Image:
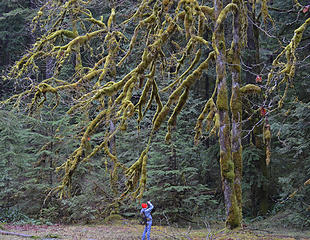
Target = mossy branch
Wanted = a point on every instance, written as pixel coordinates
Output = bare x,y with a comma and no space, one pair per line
250,89
194,62
208,12
208,111
220,20
187,83
287,70
265,12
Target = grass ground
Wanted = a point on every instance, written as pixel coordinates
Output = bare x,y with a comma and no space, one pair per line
126,230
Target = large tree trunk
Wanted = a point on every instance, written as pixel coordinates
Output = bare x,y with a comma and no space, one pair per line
236,108
226,162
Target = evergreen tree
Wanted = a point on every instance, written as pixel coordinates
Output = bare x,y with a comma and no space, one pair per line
23,182
15,35
291,128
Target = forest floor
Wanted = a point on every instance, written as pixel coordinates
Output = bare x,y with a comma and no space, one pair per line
127,230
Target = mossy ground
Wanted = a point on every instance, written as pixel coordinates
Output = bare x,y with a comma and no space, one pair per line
132,230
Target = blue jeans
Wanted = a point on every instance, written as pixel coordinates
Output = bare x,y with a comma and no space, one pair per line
147,230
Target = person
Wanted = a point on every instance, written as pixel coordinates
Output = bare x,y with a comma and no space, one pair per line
146,210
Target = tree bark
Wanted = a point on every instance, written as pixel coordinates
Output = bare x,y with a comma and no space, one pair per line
236,108
226,161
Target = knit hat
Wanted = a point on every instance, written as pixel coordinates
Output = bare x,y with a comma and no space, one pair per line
144,205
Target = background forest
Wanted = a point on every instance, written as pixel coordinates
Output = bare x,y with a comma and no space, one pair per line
183,179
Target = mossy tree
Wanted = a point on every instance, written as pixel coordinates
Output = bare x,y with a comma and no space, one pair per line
99,82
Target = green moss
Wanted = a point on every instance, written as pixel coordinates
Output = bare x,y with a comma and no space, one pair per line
161,117
111,18
208,11
265,13
267,133
221,101
198,128
230,176
250,88
237,158
267,140
287,69
236,105
178,108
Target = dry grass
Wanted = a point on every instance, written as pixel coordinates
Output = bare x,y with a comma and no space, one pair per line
126,230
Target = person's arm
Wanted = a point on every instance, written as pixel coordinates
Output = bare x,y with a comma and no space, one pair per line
150,206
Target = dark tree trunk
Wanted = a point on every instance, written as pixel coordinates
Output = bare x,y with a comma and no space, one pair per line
260,199
252,59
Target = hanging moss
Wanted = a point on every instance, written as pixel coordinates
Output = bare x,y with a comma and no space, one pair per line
136,174
286,70
175,95
111,18
143,177
265,13
216,126
208,11
209,106
267,140
143,98
177,110
210,119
